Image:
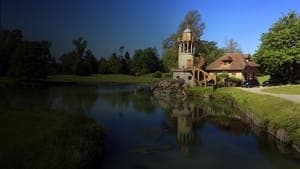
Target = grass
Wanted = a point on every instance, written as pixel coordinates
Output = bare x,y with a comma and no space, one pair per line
110,78
48,139
289,89
199,91
272,111
95,79
263,78
6,80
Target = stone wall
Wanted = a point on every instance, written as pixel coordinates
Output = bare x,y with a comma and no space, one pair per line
169,88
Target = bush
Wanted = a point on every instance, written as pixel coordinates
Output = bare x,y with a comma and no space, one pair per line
233,82
83,69
222,76
168,75
157,74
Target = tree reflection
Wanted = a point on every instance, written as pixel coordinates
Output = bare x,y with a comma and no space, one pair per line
75,99
191,114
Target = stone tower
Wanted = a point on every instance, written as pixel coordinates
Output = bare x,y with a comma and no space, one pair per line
187,47
189,63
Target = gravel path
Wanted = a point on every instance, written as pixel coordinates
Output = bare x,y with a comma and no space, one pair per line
294,98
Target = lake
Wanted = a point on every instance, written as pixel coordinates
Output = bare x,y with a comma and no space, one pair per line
143,132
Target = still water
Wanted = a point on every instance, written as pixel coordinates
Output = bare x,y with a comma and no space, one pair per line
143,132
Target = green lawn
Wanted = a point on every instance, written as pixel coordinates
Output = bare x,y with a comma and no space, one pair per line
271,111
96,79
289,89
110,78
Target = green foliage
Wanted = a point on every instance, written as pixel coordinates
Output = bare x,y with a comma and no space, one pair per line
194,22
157,74
91,60
279,52
116,66
233,81
10,40
209,50
145,61
80,47
83,69
80,61
222,76
69,62
170,58
263,78
31,60
103,66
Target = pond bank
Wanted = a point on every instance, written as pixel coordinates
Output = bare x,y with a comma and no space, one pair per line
44,139
278,117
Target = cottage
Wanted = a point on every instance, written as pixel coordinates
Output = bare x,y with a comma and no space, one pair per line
236,65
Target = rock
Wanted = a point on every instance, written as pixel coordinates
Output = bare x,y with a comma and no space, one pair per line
283,136
166,88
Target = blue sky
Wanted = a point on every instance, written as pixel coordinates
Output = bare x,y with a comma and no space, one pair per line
109,24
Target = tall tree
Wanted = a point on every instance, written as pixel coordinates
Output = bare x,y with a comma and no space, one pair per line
91,60
31,60
69,62
104,66
209,50
231,46
80,61
116,66
10,40
279,52
193,21
145,61
80,46
125,63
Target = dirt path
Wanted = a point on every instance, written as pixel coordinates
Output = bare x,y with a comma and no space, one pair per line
294,98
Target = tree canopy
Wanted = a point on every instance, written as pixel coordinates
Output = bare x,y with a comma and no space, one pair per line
231,46
10,40
279,52
31,60
80,61
145,61
207,49
193,21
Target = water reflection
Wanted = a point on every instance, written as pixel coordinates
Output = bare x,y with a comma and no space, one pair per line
143,131
75,99
191,115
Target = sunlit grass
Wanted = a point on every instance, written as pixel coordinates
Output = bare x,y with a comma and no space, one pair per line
273,111
289,89
110,78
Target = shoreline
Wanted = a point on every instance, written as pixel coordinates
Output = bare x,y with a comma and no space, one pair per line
284,129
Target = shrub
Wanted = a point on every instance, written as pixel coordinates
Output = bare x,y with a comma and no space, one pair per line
168,75
233,82
157,74
83,69
222,76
